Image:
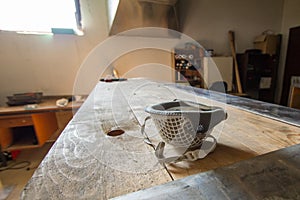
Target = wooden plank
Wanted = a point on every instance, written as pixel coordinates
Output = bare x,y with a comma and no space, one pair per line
236,68
242,136
275,175
85,162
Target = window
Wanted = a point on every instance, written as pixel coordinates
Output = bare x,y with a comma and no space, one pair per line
41,16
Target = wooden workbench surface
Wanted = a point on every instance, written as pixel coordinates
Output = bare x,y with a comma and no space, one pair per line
85,162
275,175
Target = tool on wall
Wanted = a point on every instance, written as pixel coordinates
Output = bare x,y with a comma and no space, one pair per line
236,69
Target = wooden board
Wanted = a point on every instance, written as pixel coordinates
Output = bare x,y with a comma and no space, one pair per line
85,162
271,176
242,136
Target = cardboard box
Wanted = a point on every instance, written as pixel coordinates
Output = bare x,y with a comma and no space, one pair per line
268,44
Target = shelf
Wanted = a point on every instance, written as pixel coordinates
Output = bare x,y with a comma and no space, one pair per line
23,137
258,74
188,66
21,146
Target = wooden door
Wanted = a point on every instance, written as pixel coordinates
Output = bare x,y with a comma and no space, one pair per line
292,64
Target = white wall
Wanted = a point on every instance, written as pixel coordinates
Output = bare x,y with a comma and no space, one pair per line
49,63
131,56
208,21
290,18
155,64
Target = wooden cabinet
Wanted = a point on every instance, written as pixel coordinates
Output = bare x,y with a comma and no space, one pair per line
21,128
192,67
258,74
21,131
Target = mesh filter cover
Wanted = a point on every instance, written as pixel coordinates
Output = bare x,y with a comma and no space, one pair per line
185,123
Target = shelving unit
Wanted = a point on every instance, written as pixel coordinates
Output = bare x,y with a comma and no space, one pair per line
258,75
188,66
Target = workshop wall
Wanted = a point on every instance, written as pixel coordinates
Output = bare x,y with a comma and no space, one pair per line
50,63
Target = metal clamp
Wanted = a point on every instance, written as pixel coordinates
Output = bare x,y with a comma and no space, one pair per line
206,148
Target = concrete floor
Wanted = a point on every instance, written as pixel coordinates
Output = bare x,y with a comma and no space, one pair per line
18,178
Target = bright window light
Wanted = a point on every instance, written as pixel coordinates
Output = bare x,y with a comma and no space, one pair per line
41,16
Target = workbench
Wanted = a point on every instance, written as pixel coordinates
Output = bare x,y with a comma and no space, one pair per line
22,128
86,163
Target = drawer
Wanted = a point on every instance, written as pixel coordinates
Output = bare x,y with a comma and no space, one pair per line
15,121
